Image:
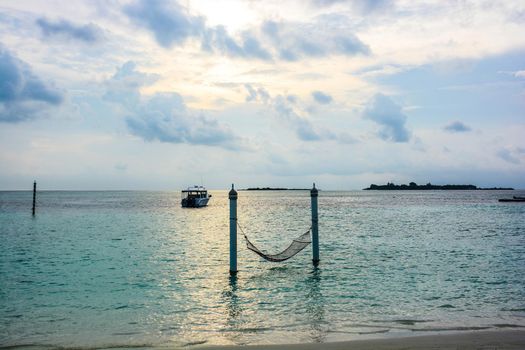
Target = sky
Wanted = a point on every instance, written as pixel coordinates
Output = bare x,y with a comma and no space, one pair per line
161,95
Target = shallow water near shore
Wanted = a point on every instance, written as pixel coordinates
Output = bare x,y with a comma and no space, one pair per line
125,269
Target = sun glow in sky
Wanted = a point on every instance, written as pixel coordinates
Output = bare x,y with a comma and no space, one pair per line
157,94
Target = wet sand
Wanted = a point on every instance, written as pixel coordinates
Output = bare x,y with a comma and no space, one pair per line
497,339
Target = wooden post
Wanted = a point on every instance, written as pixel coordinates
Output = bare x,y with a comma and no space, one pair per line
315,226
34,197
232,195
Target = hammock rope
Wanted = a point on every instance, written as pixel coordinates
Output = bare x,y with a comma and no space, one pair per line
295,247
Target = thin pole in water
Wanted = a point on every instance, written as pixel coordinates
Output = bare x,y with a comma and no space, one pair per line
232,195
315,226
34,197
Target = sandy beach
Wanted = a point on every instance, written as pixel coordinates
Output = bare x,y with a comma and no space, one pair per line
497,339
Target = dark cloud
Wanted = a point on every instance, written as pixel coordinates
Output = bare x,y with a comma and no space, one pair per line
288,55
457,126
288,111
252,93
323,3
256,94
164,117
350,45
346,138
293,41
305,131
361,5
88,33
302,126
292,99
23,95
385,112
170,23
252,48
271,29
372,5
508,156
124,86
321,97
122,167
218,39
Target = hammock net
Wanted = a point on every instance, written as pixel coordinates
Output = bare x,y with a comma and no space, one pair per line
295,247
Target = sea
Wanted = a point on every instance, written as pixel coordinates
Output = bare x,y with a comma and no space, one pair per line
128,269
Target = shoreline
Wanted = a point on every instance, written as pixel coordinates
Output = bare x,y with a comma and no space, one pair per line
485,339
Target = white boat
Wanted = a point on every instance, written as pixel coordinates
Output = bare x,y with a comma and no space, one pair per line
195,197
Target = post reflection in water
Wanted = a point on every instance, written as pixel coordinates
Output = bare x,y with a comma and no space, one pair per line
315,306
233,308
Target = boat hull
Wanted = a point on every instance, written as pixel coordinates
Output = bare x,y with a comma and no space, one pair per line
194,202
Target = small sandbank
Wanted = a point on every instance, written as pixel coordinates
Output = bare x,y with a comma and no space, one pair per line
497,339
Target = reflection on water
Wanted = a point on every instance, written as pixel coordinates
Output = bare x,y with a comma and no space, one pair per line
232,301
315,306
234,311
240,323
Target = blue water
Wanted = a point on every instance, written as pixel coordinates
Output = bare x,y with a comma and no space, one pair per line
107,269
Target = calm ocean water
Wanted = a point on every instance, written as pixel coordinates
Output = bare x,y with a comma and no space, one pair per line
119,269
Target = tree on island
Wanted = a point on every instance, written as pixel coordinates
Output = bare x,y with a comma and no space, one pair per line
429,186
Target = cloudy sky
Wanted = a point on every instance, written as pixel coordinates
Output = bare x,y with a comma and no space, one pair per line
165,94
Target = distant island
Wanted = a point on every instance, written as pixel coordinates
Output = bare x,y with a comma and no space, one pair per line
413,186
275,189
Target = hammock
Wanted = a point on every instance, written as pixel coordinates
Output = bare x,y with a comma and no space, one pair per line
295,247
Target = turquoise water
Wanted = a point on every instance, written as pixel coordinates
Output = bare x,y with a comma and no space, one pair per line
111,269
